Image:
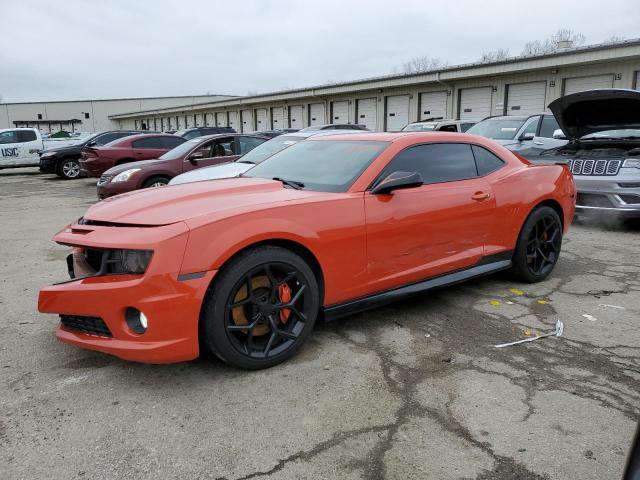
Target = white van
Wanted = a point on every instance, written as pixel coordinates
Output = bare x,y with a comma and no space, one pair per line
19,147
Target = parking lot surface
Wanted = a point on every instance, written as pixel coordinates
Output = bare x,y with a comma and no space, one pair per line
412,390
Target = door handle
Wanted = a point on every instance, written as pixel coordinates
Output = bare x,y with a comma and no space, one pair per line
480,196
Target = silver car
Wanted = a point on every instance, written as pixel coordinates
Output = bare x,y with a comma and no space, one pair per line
603,128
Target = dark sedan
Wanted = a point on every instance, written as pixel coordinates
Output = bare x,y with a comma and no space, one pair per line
192,154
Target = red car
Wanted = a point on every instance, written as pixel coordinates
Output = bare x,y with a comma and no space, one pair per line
94,161
192,154
326,227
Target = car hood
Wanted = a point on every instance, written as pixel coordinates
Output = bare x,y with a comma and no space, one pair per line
593,111
224,170
63,149
217,199
140,164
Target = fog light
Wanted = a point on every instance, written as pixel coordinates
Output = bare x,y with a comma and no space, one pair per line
136,320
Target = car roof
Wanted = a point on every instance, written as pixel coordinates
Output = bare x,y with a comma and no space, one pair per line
322,133
401,136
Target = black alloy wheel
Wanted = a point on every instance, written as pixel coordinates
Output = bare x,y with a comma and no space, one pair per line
261,309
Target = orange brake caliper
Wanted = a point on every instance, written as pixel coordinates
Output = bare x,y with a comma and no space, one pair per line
284,292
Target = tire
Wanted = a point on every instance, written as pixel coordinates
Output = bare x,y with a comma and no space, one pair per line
538,246
69,168
155,182
277,333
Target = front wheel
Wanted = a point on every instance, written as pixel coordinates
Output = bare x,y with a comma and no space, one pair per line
69,169
261,308
155,182
538,246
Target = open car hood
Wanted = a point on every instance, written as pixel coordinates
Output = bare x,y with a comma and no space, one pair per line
593,111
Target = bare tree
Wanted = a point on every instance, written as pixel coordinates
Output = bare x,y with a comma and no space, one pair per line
422,64
251,93
614,39
563,38
495,55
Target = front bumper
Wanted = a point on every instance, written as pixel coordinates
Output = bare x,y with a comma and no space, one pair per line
107,189
48,164
171,302
617,195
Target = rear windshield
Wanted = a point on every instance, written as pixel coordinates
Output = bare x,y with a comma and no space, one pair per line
498,128
324,166
268,148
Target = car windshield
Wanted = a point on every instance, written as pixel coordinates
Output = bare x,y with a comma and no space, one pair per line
180,150
497,128
325,165
266,149
613,134
419,127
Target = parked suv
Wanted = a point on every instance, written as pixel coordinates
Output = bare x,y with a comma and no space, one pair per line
439,125
96,160
189,133
190,155
528,135
65,161
603,153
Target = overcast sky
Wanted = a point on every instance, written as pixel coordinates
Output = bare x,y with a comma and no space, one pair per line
76,49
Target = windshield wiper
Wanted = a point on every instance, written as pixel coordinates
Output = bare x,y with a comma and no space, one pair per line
290,183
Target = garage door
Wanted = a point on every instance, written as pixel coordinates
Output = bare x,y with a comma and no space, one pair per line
261,119
221,119
526,98
475,103
397,112
367,113
433,105
233,120
574,85
339,112
316,114
247,121
295,116
277,118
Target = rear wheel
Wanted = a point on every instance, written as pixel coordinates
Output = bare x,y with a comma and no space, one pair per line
69,168
155,182
538,246
261,309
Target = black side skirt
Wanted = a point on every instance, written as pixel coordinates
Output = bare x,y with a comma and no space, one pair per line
486,266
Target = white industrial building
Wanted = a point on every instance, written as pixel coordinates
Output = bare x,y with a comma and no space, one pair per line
520,85
86,115
516,86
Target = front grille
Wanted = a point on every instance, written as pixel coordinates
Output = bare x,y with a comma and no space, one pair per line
104,179
579,166
593,200
89,325
630,199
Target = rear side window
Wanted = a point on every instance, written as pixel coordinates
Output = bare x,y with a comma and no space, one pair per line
27,136
440,162
486,161
8,137
549,125
248,143
108,137
171,142
150,142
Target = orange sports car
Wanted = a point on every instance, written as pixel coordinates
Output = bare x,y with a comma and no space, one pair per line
333,225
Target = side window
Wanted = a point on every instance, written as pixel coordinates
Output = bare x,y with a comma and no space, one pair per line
27,136
549,125
532,126
8,137
248,143
439,162
107,138
172,142
222,147
486,161
150,142
466,126
448,128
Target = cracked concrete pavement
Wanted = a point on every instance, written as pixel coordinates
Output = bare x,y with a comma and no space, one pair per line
412,390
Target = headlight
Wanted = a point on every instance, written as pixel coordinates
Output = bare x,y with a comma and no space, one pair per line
130,261
631,163
47,154
124,176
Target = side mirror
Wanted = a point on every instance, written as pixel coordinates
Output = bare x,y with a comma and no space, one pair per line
194,157
527,136
93,143
397,181
559,135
